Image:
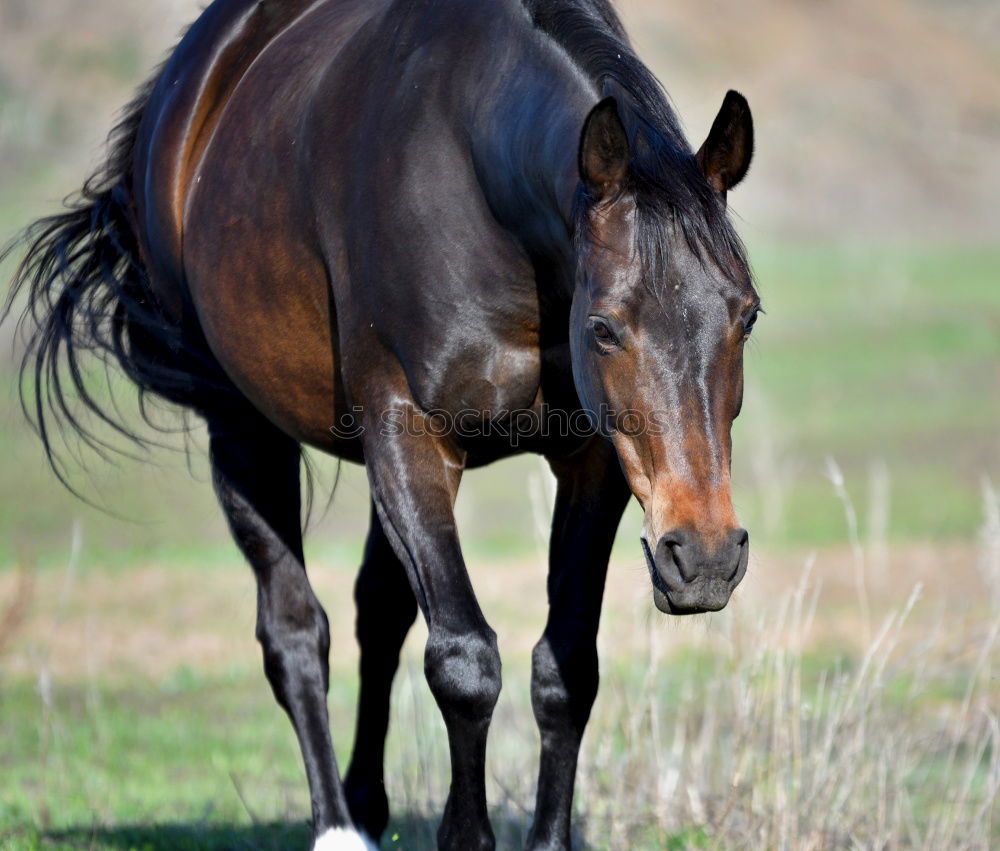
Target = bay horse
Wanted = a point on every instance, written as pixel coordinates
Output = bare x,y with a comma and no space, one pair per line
423,235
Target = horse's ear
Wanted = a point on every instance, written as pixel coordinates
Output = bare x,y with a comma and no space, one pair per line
726,154
603,158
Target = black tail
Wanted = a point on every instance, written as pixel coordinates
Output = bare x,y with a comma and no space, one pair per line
87,291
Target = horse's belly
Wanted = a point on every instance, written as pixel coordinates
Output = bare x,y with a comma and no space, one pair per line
274,338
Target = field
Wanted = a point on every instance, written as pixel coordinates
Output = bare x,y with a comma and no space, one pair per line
848,697
814,713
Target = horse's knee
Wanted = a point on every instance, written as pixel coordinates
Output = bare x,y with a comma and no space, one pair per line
463,672
564,682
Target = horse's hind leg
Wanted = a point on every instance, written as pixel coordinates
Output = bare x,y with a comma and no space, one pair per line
386,611
256,473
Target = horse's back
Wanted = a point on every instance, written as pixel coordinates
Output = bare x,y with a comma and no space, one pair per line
183,113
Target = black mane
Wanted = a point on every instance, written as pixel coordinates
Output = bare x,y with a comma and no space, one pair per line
669,188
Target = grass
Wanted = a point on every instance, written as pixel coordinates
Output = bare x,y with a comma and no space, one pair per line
838,702
760,727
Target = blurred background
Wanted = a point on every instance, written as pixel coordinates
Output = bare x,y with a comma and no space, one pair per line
848,694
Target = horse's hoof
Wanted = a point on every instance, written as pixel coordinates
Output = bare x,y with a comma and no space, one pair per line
343,839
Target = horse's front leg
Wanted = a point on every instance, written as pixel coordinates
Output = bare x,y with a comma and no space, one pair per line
591,496
414,479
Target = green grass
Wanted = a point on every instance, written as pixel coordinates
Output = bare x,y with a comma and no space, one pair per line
726,733
210,763
874,355
199,763
146,754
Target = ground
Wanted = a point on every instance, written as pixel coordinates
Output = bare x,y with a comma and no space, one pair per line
135,714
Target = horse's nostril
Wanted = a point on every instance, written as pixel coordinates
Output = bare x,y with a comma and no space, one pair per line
648,552
742,556
678,549
677,538
685,555
667,564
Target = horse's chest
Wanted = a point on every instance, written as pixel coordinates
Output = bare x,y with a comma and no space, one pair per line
479,372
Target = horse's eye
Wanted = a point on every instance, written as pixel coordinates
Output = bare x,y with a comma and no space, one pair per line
604,333
751,321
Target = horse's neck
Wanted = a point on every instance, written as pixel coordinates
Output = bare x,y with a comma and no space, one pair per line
524,144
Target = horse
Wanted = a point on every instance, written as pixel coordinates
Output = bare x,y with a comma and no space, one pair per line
422,235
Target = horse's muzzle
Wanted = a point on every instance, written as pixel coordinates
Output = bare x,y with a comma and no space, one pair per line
689,578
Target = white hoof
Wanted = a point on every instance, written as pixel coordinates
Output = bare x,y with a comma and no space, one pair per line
344,839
